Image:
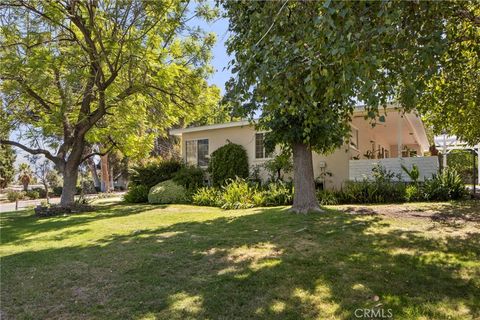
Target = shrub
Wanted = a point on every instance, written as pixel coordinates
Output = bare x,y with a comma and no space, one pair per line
372,192
167,192
13,195
57,191
413,174
32,194
207,196
237,194
327,197
279,165
414,192
41,191
447,185
228,162
190,177
136,194
278,194
154,172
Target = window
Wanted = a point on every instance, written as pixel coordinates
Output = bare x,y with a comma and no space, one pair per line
202,152
260,147
197,152
354,138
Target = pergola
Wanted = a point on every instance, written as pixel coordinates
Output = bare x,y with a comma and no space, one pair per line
446,144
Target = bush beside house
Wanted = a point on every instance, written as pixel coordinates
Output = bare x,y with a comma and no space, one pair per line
228,162
186,186
167,192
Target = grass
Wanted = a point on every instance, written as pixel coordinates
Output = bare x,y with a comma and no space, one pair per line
420,261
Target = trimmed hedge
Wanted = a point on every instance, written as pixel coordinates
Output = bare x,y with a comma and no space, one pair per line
154,172
189,177
167,192
137,194
228,162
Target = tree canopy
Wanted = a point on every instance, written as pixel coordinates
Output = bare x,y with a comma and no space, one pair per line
112,73
304,66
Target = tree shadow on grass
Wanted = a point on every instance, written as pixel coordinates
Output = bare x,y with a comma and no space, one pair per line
270,264
16,226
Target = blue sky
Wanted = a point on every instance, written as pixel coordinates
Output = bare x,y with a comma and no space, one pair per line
220,56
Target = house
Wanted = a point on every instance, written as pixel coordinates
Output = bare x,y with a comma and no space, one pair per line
397,138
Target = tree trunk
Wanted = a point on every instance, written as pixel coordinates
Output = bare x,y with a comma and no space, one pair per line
93,169
304,198
105,173
45,186
70,175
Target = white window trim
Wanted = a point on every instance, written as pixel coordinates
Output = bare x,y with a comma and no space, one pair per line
255,159
196,139
357,147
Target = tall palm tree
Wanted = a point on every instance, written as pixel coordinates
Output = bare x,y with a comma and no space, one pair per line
25,175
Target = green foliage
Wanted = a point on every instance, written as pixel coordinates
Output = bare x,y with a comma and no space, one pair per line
277,194
207,196
372,192
13,195
136,194
450,101
462,161
41,192
7,165
167,192
189,177
413,174
237,194
53,178
414,192
32,194
447,185
228,162
280,165
327,197
306,86
25,175
154,172
57,191
111,73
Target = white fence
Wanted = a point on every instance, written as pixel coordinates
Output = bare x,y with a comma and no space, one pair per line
362,169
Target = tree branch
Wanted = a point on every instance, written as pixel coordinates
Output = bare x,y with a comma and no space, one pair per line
101,154
46,153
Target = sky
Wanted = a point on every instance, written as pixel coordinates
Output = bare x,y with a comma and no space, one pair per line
220,57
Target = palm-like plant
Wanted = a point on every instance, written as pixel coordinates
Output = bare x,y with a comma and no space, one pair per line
25,175
413,174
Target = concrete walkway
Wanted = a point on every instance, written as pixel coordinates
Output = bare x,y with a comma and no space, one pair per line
27,204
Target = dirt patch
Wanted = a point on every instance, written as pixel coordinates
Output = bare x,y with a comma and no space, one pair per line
461,212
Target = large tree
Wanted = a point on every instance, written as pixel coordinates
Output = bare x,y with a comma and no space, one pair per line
304,65
451,101
112,73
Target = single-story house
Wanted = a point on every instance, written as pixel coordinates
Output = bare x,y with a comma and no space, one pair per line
397,138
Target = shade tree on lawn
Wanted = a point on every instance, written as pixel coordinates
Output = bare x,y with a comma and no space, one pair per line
304,65
112,73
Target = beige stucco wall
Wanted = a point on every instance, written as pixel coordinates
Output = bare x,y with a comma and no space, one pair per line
335,163
244,136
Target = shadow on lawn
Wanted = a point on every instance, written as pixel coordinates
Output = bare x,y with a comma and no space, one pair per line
265,265
18,225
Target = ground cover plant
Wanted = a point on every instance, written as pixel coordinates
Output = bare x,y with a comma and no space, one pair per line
186,262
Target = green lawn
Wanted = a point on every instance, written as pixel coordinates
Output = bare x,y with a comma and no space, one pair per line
185,262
